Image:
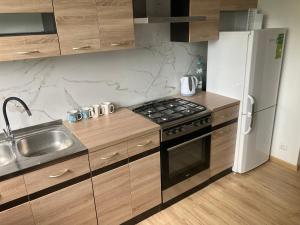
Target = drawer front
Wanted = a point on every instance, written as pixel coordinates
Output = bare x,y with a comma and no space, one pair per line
108,156
12,189
225,115
55,174
28,47
143,144
19,215
223,148
28,6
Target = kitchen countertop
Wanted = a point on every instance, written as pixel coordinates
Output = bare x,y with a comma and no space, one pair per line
102,132
111,129
213,102
124,124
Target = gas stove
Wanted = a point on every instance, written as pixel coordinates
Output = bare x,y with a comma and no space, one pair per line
176,116
185,142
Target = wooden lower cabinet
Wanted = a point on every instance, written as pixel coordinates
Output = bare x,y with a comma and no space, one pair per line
73,205
19,215
223,148
145,183
112,196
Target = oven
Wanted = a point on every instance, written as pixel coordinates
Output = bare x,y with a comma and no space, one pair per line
185,158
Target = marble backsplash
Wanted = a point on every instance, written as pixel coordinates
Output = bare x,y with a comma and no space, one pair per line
53,86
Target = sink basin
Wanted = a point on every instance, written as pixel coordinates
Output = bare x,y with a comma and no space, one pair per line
44,143
6,155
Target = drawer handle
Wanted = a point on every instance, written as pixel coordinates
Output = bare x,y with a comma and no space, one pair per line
144,145
111,156
82,48
60,174
117,44
29,52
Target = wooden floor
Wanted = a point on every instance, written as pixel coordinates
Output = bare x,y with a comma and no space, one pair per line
268,195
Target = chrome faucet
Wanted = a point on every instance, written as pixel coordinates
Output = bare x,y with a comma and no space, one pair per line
8,131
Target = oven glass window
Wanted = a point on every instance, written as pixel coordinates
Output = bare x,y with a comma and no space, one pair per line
184,158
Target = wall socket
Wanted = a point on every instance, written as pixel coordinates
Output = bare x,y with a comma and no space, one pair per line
283,148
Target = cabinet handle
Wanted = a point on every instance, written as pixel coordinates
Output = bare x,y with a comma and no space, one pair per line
117,44
29,52
82,48
60,174
144,145
111,156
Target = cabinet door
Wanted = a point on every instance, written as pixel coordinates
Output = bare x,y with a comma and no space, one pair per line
237,5
73,205
112,196
222,148
28,6
77,26
145,183
12,189
19,215
205,30
28,47
115,18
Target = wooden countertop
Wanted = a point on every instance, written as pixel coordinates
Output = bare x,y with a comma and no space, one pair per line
111,129
212,101
124,124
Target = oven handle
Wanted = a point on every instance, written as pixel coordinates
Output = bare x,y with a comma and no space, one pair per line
190,141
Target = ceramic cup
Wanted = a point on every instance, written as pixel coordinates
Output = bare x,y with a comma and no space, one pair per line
107,108
73,116
96,111
86,113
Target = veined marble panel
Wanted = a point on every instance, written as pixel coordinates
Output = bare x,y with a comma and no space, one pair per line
53,86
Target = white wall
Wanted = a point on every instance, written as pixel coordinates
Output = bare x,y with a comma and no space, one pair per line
286,13
54,85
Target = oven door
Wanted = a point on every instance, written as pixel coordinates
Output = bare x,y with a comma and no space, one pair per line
185,156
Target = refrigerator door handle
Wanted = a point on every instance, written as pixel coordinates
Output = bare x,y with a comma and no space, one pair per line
250,115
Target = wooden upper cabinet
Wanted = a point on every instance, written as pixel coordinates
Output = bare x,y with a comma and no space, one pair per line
28,47
77,26
204,30
237,5
115,19
73,205
25,6
19,215
145,183
112,196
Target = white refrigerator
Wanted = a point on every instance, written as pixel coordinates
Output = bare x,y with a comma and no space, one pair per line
247,66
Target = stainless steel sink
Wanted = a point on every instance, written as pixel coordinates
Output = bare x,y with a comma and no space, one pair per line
43,143
6,155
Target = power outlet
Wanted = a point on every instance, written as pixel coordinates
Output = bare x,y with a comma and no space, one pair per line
283,148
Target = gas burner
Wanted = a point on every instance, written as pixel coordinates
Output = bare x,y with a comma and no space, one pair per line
168,110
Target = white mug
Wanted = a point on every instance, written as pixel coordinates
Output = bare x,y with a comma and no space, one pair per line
97,111
107,108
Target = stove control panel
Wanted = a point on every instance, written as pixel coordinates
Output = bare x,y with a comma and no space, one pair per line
185,128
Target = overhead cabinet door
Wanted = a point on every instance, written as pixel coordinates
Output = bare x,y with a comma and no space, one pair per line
205,30
237,5
115,18
77,26
25,6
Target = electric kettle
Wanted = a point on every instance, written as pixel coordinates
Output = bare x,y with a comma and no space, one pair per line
188,85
